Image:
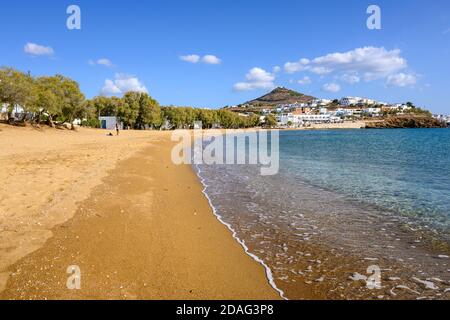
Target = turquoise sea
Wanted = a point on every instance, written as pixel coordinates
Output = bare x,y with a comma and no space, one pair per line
364,196
404,172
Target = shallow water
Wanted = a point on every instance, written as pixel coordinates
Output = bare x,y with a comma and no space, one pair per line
341,202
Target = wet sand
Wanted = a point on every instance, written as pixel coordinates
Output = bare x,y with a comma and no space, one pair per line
136,225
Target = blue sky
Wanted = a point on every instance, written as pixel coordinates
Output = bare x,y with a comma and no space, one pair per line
322,48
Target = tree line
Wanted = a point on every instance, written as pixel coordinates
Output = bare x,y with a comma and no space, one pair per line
50,98
56,100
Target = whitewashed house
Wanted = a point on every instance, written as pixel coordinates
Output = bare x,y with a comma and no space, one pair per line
314,118
372,111
320,102
109,123
286,118
365,101
300,119
17,112
348,101
323,110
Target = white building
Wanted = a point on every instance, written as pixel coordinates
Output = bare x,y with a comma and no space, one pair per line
348,101
109,123
316,118
285,118
399,106
321,102
347,112
443,118
323,110
372,111
290,106
405,107
17,110
300,119
365,101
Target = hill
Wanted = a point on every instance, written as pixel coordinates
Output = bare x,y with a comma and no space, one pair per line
278,96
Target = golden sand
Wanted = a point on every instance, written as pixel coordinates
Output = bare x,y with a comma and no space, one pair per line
137,225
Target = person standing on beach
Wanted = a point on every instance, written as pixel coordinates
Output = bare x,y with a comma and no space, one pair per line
117,129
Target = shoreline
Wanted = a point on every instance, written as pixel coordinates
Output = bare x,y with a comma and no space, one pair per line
268,271
336,274
148,229
146,232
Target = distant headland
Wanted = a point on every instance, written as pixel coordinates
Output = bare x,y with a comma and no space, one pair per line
292,109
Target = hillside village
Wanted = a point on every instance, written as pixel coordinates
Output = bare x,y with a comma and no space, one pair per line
293,109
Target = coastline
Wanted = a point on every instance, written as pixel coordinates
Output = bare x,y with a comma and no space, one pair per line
311,248
268,271
146,231
140,227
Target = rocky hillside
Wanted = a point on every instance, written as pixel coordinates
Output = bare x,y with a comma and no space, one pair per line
406,121
280,95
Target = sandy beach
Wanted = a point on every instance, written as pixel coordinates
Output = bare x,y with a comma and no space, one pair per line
136,225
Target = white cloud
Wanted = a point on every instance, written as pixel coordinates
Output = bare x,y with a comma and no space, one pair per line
292,67
103,62
369,63
401,80
276,69
304,81
257,78
331,87
110,88
38,50
321,70
121,84
211,59
195,58
350,78
192,58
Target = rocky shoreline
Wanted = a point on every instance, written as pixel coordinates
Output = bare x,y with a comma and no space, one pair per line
406,121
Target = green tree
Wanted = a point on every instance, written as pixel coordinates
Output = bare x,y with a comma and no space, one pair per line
253,121
46,101
16,89
177,116
104,106
206,117
271,121
128,111
149,112
73,100
410,105
227,119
